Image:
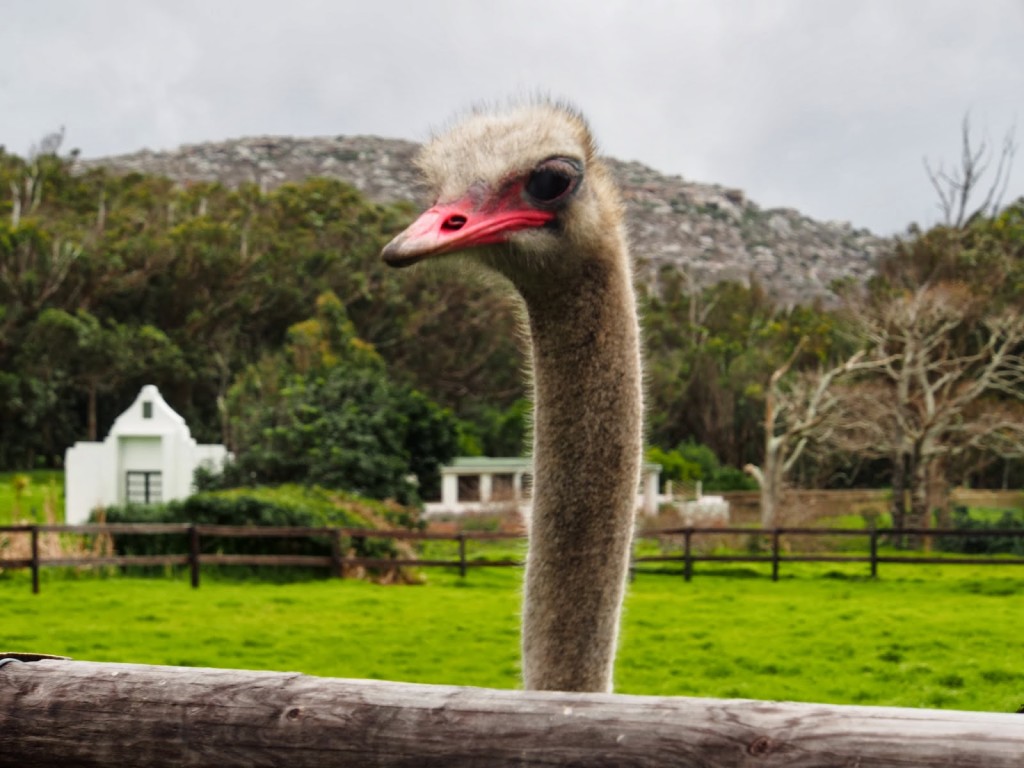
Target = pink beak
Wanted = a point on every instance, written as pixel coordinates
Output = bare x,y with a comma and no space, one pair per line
456,226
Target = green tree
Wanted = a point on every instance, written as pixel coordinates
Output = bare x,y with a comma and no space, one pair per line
325,411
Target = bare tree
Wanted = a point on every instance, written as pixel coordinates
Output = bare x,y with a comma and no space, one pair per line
799,411
935,402
942,368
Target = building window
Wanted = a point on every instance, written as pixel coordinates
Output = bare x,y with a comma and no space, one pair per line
147,409
469,488
143,487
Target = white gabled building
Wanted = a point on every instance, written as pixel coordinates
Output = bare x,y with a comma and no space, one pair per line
149,456
494,483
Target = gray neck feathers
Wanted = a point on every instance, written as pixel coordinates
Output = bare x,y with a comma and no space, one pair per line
587,454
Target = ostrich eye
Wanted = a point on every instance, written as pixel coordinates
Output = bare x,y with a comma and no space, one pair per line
547,184
554,179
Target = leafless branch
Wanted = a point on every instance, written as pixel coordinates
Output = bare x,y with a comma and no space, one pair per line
957,188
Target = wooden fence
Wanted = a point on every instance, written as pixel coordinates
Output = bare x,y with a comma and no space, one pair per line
778,554
72,714
194,558
338,560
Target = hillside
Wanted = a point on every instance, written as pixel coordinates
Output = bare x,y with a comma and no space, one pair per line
712,232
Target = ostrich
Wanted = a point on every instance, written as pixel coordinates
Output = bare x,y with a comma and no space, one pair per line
523,194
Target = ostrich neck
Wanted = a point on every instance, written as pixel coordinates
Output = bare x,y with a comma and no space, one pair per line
587,451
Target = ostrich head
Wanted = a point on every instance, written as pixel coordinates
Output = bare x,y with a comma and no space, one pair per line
520,190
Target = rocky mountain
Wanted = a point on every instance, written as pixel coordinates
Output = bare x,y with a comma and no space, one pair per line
710,232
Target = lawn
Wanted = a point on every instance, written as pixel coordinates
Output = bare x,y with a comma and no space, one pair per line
921,636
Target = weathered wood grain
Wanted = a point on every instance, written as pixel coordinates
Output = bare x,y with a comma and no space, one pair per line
69,714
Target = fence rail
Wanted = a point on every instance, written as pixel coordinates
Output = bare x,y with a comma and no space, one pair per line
173,716
337,561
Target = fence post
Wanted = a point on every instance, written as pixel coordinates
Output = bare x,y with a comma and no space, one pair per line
462,554
336,559
193,554
775,554
35,559
687,554
874,551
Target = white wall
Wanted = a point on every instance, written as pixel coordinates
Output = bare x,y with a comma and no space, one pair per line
84,487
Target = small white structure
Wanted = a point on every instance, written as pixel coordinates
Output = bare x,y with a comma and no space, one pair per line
148,457
489,483
701,510
705,510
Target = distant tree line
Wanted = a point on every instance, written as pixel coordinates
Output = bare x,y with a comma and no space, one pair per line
269,322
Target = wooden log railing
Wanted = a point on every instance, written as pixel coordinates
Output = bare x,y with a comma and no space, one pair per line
72,714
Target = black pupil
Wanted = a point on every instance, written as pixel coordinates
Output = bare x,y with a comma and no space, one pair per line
547,184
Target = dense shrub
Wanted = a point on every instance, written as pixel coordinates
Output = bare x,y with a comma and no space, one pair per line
984,545
288,505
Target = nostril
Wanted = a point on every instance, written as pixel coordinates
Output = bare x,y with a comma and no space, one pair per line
453,223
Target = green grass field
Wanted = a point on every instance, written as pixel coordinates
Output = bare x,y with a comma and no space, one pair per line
922,636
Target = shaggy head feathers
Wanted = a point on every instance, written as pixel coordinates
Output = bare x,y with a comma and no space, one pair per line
490,146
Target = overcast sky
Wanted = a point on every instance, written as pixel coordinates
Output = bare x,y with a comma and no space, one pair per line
828,106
